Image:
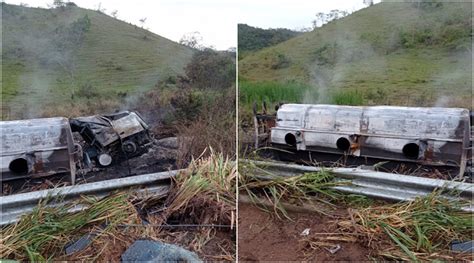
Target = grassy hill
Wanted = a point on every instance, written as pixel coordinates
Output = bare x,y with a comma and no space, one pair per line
71,54
390,53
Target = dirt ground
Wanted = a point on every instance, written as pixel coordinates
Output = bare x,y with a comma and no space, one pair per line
209,245
264,237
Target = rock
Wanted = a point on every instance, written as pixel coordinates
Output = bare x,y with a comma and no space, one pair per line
467,246
154,251
80,244
170,143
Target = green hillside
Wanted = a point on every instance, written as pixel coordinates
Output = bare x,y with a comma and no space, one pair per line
54,56
254,38
390,53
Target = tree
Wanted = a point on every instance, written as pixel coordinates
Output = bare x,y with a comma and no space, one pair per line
142,21
192,40
254,38
114,13
303,29
59,3
100,9
323,18
368,2
210,69
320,19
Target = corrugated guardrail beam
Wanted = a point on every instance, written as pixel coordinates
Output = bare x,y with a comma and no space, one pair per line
13,206
379,184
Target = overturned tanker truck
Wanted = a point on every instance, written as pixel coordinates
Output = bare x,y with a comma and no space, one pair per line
51,146
435,137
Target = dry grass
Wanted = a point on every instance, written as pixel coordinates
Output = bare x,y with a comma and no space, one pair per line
303,188
203,195
206,190
418,230
214,127
42,234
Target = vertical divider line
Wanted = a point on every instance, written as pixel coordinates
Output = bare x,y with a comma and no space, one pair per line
237,146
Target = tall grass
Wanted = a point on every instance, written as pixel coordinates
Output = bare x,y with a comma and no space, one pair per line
348,97
204,194
305,187
42,234
419,229
214,177
213,126
274,92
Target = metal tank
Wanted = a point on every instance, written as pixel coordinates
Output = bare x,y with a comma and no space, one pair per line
428,136
36,148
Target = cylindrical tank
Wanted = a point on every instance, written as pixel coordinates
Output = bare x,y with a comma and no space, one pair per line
431,136
36,148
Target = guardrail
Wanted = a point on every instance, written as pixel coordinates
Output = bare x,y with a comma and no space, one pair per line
378,184
14,206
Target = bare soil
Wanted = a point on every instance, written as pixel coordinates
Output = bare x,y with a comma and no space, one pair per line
210,245
264,237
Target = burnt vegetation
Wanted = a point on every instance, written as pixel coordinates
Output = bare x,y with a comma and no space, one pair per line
198,106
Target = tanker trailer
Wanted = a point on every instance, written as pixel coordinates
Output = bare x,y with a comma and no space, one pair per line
417,135
37,148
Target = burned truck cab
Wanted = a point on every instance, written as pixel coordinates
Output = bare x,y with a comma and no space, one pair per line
112,138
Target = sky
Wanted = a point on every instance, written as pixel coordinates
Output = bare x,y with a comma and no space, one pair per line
215,20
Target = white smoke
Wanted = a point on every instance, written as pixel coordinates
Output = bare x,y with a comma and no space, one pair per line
347,48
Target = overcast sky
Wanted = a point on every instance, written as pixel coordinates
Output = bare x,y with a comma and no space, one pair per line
216,20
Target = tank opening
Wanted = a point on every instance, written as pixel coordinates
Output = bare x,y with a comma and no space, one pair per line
290,139
411,150
19,166
343,144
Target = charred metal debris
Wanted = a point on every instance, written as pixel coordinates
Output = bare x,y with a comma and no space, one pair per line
49,146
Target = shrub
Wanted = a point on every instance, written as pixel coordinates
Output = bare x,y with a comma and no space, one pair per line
326,54
210,69
281,62
187,104
87,91
214,127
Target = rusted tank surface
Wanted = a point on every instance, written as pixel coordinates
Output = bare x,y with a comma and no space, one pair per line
429,136
36,148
